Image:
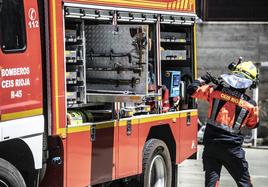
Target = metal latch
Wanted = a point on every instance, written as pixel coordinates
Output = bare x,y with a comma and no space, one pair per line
188,119
93,133
129,127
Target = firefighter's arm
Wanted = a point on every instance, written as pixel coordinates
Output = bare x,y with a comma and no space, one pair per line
253,119
200,90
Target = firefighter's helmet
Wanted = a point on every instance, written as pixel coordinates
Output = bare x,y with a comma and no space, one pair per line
244,75
247,69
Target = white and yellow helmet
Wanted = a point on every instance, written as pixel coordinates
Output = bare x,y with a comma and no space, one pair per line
243,75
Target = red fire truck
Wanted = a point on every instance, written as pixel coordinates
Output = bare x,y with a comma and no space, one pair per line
93,92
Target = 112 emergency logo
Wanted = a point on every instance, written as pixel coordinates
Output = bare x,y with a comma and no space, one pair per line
32,14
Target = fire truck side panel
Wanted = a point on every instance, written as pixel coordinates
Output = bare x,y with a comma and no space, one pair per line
64,165
128,148
57,164
21,72
188,136
104,152
78,158
162,5
57,69
114,154
92,158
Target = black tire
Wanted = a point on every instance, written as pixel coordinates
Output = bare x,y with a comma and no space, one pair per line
156,164
9,175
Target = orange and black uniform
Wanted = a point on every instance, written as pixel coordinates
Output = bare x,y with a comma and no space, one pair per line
229,110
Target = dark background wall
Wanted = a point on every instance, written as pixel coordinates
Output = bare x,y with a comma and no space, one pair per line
232,10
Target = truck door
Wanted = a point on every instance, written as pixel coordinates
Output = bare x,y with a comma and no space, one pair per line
20,60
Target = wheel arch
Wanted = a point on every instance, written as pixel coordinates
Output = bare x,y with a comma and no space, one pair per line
164,133
19,154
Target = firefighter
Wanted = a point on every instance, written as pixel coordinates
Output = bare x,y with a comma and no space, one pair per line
229,110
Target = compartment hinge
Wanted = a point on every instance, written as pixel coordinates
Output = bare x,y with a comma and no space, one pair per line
178,20
93,133
129,127
136,17
84,13
188,119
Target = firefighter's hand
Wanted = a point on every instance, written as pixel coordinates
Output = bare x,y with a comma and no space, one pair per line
206,78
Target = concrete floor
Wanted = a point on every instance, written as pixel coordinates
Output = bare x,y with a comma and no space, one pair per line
191,171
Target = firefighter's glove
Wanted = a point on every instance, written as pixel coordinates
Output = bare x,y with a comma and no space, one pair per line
206,78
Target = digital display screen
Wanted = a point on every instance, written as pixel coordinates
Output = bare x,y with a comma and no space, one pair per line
176,80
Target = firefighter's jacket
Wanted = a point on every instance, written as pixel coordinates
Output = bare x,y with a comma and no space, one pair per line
229,110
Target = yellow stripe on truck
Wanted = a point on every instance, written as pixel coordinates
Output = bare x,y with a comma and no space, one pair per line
192,113
123,122
55,65
22,114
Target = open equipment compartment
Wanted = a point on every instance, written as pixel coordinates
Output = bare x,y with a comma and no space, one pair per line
75,62
79,109
106,63
121,64
177,62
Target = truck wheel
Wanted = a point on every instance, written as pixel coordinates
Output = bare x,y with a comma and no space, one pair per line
9,175
157,169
